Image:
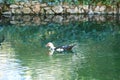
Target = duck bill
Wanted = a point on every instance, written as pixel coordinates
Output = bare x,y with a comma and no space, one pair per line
47,45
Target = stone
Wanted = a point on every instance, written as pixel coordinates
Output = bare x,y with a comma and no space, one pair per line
91,12
110,12
119,11
47,8
85,7
58,19
69,10
36,20
57,9
42,11
73,10
114,12
13,6
22,3
102,8
0,10
43,5
20,6
49,16
17,3
7,13
65,6
97,9
26,10
34,2
102,18
49,12
17,18
80,10
13,22
36,9
13,11
80,6
26,18
18,11
27,5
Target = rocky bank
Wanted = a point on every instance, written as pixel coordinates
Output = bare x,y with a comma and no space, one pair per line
35,7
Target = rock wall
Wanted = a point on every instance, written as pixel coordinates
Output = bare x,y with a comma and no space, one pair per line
42,8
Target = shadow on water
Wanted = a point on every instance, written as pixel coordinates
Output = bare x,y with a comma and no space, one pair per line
96,57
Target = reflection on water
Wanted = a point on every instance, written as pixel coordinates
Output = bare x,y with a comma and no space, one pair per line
23,55
33,66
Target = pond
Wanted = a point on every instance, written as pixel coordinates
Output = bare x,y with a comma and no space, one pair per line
96,56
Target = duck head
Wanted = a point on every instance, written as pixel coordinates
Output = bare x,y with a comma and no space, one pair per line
51,48
50,45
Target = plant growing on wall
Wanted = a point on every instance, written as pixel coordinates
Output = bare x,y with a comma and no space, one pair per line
9,1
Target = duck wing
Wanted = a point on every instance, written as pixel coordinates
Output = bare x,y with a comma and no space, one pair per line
68,47
59,49
64,48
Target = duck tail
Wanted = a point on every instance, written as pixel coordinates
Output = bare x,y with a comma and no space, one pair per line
73,45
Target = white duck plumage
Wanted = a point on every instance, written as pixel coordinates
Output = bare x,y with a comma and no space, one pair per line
50,45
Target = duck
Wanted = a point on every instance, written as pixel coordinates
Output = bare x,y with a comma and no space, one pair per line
52,48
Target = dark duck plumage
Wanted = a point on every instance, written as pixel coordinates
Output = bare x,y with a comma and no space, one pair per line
59,48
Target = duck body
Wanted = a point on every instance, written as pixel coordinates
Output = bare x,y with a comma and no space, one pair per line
59,48
64,48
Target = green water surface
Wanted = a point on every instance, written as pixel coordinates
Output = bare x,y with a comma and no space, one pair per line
96,56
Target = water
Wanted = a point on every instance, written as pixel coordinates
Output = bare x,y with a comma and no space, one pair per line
96,56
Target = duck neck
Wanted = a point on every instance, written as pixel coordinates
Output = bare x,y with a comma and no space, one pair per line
52,47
